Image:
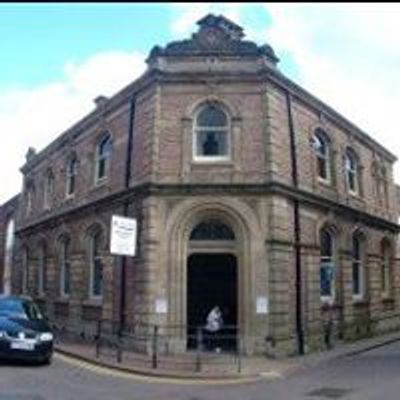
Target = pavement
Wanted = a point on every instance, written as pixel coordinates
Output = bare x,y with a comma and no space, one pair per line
215,367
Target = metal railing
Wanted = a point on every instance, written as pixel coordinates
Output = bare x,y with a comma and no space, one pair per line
160,346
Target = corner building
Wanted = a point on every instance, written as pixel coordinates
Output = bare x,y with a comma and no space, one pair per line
249,192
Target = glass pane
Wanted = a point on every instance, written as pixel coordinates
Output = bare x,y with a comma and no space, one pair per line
67,278
211,115
101,168
326,278
97,278
211,143
105,147
356,248
212,230
322,168
326,244
352,180
356,278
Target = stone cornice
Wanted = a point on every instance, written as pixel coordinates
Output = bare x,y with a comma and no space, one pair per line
148,189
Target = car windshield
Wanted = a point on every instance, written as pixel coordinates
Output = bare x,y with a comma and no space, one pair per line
19,308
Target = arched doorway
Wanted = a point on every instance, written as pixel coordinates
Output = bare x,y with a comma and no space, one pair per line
212,280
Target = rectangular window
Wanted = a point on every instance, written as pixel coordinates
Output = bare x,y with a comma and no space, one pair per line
356,273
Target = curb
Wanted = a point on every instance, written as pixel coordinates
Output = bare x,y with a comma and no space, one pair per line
158,374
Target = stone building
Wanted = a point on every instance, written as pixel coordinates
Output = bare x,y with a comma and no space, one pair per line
248,191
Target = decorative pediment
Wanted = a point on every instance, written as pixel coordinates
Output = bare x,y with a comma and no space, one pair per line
216,36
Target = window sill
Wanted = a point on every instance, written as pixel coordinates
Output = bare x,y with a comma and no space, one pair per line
212,161
325,182
93,303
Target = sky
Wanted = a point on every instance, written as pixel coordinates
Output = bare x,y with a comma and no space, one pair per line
55,58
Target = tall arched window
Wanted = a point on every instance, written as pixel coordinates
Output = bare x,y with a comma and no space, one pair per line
71,172
327,264
103,153
65,267
48,188
211,134
8,256
357,266
352,171
42,262
96,265
323,155
385,267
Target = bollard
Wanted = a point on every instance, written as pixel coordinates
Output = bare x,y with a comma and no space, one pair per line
155,347
199,347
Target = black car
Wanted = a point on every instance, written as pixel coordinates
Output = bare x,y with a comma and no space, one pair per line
25,334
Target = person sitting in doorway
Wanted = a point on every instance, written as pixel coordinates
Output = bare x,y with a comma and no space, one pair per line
213,327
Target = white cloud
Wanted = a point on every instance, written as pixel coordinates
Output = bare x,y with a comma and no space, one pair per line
34,117
348,56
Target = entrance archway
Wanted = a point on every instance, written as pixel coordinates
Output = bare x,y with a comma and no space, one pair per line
212,280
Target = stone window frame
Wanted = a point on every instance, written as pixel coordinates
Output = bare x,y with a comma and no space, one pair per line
197,129
71,172
104,137
322,135
64,255
95,233
358,262
351,157
332,259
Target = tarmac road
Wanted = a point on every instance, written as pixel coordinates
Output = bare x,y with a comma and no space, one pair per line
371,375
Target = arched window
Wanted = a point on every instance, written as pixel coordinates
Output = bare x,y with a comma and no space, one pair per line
71,172
48,188
65,267
323,155
96,265
212,230
211,134
42,263
327,264
8,256
357,266
385,267
103,153
352,171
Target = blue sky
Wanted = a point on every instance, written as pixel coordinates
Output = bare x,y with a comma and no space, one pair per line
56,58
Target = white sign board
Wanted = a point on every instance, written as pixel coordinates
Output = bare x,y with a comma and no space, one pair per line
161,306
123,236
262,306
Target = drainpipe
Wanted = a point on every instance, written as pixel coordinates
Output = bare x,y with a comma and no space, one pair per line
128,165
297,244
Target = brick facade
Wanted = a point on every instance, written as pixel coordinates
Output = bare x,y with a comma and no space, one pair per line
253,192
